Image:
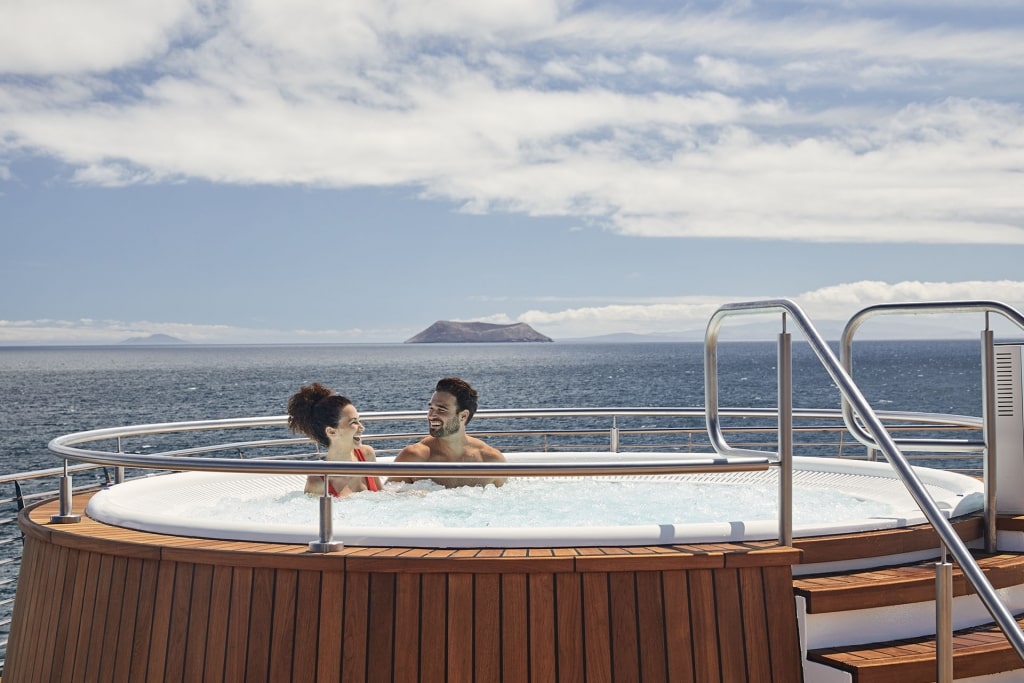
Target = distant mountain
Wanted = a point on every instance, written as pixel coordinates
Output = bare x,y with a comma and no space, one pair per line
447,331
155,339
767,330
731,330
628,337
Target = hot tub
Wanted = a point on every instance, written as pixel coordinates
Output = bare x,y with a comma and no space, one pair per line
830,496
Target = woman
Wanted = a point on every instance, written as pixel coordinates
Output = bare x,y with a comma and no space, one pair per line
333,422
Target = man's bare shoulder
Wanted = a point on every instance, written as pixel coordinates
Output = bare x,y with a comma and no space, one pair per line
487,452
415,452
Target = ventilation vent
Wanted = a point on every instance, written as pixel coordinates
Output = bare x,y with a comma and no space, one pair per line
1005,378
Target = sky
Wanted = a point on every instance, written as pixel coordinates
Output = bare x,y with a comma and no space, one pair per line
311,171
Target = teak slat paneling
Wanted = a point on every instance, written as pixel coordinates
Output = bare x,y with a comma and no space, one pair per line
755,625
101,603
514,630
487,628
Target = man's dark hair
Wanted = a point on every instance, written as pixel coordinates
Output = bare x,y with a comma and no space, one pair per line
465,395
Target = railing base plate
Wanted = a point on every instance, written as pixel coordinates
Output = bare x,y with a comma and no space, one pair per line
332,547
65,519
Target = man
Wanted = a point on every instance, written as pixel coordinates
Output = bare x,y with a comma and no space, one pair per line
450,410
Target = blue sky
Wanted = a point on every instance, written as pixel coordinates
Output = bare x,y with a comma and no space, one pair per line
311,171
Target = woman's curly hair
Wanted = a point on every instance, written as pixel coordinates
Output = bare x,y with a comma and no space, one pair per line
314,408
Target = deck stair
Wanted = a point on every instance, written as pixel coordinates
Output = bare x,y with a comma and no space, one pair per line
873,620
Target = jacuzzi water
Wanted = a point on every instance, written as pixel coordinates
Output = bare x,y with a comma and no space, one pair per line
524,502
829,496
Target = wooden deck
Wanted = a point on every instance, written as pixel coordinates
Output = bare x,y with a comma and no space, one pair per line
101,603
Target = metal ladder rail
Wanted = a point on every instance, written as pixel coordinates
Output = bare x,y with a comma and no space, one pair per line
874,427
987,445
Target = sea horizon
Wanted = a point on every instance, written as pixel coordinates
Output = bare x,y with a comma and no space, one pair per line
52,390
617,338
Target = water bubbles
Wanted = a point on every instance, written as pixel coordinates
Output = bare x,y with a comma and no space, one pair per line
549,502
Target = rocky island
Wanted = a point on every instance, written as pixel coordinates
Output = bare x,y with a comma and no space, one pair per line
447,331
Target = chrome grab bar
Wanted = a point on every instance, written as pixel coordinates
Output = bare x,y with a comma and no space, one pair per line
881,439
691,464
915,308
987,445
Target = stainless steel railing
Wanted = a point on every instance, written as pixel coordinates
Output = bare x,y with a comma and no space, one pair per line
71,448
74,446
872,432
985,444
821,427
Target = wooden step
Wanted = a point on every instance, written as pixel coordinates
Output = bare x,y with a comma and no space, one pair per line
901,584
977,651
880,543
1010,522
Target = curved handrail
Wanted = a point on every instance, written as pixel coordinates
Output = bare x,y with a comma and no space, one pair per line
913,308
64,445
711,408
172,460
184,460
883,440
69,446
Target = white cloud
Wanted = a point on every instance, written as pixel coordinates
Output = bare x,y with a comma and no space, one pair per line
727,73
560,70
495,319
88,331
53,37
650,64
832,39
686,315
828,127
109,175
828,304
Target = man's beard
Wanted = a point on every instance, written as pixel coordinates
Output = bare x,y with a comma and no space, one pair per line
446,429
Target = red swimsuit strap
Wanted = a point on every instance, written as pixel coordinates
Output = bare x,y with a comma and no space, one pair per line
371,482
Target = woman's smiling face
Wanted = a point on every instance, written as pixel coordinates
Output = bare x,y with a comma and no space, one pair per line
349,426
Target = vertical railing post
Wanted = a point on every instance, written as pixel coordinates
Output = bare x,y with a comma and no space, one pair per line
326,543
785,364
119,470
613,436
988,419
66,516
943,620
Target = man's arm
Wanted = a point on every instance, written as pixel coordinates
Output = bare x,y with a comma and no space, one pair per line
491,454
416,452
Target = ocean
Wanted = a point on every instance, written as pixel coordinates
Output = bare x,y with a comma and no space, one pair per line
50,391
